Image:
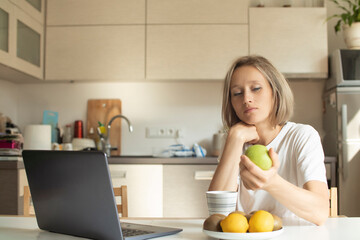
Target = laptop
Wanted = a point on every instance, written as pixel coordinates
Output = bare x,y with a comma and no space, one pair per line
72,194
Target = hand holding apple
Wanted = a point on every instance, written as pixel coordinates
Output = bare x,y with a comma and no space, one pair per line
256,178
259,155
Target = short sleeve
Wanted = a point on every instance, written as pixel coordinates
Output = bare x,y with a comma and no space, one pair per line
310,161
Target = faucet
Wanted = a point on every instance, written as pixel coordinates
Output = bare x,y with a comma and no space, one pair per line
105,139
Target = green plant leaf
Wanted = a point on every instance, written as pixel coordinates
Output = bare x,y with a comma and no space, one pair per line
337,26
350,15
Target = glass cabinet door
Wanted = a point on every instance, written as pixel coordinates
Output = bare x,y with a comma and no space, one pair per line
4,30
35,3
28,44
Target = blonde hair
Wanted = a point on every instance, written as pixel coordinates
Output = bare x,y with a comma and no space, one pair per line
283,100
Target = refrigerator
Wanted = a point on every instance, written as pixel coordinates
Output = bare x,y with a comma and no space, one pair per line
341,122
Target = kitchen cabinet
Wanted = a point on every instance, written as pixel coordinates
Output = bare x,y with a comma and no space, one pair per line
88,41
12,182
33,8
93,12
111,52
137,40
185,189
21,56
187,52
187,40
293,39
6,23
197,12
145,187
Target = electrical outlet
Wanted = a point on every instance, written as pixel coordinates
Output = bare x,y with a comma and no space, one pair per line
164,132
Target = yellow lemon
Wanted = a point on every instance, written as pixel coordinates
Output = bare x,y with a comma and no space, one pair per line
261,221
234,222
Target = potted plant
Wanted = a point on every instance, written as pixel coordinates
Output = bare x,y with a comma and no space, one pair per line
349,21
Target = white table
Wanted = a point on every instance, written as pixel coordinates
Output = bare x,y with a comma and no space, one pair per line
16,228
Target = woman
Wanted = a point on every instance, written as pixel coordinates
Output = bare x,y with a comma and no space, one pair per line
257,104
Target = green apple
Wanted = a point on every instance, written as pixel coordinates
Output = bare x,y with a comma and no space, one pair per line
260,156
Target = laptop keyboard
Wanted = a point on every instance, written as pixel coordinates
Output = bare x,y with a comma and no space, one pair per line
128,232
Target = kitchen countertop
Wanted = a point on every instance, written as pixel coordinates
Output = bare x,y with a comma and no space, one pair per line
16,163
166,161
333,229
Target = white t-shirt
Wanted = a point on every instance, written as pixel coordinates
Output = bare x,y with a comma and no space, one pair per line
301,160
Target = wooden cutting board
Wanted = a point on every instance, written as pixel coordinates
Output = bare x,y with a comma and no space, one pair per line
103,110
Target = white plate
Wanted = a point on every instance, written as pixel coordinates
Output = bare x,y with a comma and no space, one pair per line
244,236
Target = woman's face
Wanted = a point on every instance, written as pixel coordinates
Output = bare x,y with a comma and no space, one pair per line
251,95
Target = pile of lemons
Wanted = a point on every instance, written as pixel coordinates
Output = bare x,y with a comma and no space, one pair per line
239,222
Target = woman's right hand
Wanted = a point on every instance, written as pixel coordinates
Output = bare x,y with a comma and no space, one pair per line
244,132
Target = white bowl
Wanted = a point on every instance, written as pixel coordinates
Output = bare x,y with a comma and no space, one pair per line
81,143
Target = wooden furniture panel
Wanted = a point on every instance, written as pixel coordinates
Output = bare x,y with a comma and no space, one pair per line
193,51
95,53
121,192
293,39
184,190
333,211
122,207
195,11
89,12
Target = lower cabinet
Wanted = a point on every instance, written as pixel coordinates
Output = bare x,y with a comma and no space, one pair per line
156,190
184,190
144,185
12,182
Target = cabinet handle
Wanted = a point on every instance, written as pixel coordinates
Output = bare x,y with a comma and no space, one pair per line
203,175
344,143
118,174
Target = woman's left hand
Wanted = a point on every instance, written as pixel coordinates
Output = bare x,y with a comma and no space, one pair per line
254,177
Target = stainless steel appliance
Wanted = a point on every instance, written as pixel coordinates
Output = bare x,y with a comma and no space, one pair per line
341,121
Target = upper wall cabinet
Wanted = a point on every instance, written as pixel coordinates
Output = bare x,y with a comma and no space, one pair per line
195,11
88,40
89,12
194,39
293,39
95,53
6,23
188,52
34,8
21,42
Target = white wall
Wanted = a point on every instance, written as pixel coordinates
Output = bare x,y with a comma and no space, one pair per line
194,106
9,100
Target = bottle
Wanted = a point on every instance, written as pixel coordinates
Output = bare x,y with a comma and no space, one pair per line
78,129
102,131
67,138
102,128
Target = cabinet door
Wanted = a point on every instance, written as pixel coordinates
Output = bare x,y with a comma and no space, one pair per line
88,12
6,35
195,11
34,8
185,189
95,53
144,186
193,51
294,39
